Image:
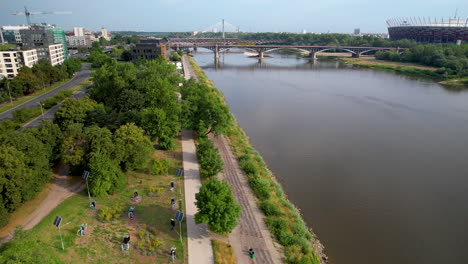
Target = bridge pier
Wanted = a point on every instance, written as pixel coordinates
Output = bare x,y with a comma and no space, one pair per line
260,54
313,55
216,56
355,55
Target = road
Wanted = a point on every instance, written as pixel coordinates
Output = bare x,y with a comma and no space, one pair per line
80,76
49,114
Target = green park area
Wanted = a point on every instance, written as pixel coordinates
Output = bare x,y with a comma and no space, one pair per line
150,232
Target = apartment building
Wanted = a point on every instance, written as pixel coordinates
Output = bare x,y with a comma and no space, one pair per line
56,54
11,61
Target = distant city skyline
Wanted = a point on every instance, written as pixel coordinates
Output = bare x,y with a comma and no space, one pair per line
250,16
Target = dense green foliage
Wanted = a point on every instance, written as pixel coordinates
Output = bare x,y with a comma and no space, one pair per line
203,109
217,207
452,59
106,176
40,76
208,158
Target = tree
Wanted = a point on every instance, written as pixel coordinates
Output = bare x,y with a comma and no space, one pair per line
50,135
99,140
74,111
217,207
157,124
126,55
105,175
208,158
132,148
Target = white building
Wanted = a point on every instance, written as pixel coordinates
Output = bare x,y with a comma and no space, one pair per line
12,61
104,33
79,31
56,54
81,41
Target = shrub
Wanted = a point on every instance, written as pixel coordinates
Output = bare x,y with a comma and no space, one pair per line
24,114
157,243
208,158
160,166
141,233
246,164
269,209
261,188
108,213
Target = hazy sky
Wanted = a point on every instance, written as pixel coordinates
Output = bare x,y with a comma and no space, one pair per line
249,15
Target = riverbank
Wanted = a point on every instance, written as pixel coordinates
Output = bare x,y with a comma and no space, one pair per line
282,218
406,68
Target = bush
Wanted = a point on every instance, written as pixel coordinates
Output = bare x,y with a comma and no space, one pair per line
25,114
159,166
208,158
269,209
247,165
261,188
54,100
110,213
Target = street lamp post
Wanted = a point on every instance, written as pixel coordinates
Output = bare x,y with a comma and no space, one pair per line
42,111
9,92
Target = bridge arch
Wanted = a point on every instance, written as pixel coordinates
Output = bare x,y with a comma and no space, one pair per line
337,48
398,51
280,48
244,48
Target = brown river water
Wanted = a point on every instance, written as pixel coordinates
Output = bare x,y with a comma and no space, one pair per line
376,162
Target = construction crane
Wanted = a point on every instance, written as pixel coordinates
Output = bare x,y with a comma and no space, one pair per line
29,14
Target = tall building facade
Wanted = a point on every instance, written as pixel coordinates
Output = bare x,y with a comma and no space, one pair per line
11,61
41,37
81,41
78,31
104,33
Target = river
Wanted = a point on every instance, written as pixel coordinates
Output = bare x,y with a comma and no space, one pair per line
376,162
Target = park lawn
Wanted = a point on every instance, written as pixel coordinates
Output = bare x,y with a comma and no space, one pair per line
223,253
102,242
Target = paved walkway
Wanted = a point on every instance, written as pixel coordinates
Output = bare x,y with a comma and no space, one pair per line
188,70
251,231
61,189
198,237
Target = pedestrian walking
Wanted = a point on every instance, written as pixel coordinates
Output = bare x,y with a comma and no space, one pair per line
93,204
251,253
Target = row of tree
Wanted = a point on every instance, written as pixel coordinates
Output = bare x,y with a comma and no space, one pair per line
311,39
452,58
40,76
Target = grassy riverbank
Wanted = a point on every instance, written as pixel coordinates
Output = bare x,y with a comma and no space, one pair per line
282,217
407,68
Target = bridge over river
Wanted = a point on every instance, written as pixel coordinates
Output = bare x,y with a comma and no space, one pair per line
262,49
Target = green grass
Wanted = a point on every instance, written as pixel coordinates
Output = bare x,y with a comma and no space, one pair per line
7,47
223,253
284,220
103,239
7,105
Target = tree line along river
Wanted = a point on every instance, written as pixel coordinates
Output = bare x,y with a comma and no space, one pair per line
376,162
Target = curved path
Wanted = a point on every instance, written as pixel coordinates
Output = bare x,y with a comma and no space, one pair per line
79,77
62,188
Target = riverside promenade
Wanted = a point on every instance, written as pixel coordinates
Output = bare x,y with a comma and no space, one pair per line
198,236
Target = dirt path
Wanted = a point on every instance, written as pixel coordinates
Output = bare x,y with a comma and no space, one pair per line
251,231
62,188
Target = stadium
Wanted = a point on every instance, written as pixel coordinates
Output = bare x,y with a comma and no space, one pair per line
427,30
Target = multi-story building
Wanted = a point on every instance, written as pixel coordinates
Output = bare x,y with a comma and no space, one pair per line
11,61
41,37
150,49
104,33
78,31
81,41
11,34
59,37
56,54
